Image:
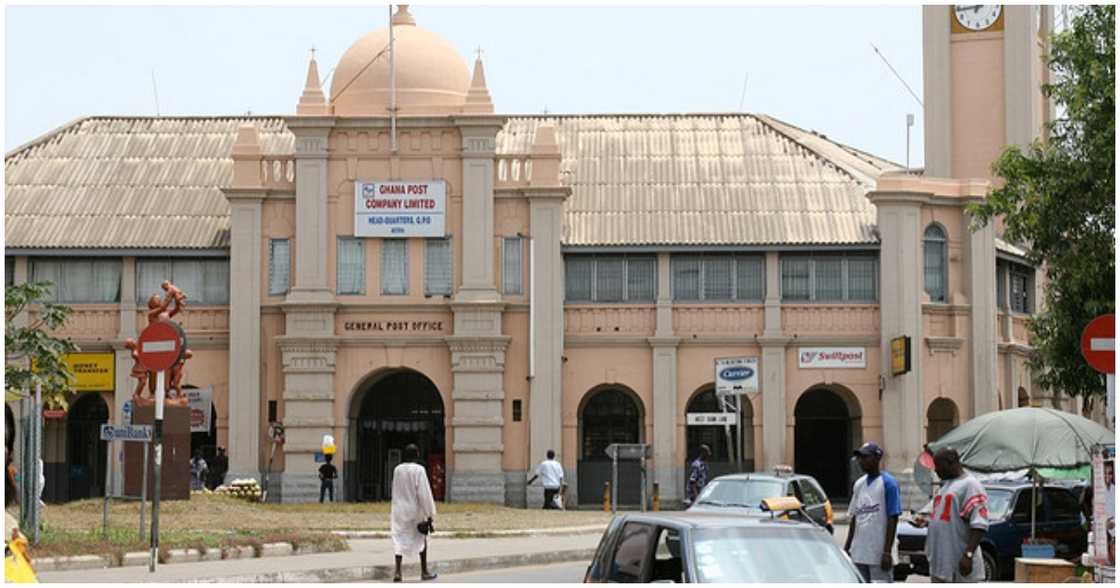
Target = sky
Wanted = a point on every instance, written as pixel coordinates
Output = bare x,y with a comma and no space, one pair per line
812,66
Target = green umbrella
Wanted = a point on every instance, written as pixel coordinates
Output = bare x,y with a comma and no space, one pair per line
1025,438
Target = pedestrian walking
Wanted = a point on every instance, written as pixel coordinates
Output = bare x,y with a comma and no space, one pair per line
958,520
327,474
412,512
551,474
698,473
873,514
198,471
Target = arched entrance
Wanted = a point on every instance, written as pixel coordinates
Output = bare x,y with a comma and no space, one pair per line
715,436
826,430
204,442
611,414
941,417
391,411
85,451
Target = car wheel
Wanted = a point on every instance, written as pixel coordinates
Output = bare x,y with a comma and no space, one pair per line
991,568
901,572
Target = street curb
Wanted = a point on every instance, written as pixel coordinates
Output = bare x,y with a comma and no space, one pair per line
73,562
385,572
174,556
556,531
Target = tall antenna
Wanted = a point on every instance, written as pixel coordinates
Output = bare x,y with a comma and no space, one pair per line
743,96
155,91
392,87
895,72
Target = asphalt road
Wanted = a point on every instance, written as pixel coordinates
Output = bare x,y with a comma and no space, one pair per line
572,573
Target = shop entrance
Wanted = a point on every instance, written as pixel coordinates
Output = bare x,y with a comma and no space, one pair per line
85,451
392,411
715,436
827,429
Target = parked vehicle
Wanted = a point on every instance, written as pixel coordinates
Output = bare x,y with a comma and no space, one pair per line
697,547
1058,519
746,491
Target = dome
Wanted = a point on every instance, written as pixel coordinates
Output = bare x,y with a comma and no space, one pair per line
432,78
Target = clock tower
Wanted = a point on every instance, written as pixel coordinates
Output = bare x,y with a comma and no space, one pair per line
982,71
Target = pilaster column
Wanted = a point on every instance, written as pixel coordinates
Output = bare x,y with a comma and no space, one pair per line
478,210
312,241
773,381
900,310
666,470
123,384
982,290
309,368
937,90
244,306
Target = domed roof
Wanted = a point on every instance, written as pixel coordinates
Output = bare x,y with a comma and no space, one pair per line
432,78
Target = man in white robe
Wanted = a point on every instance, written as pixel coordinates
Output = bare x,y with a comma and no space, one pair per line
412,504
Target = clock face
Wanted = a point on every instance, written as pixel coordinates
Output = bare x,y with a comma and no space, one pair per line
977,17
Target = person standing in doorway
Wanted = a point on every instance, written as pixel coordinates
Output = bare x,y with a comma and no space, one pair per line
873,514
327,474
198,471
957,522
411,513
551,474
698,473
218,469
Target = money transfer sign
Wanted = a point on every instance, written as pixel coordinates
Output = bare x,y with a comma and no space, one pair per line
400,209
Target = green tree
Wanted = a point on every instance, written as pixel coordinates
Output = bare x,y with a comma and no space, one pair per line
1058,200
32,344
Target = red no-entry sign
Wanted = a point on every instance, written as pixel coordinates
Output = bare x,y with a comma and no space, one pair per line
161,345
1098,343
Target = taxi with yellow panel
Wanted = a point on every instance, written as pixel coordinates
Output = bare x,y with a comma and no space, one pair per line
745,492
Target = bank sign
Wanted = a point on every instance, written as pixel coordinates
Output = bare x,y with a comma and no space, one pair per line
832,357
737,375
400,209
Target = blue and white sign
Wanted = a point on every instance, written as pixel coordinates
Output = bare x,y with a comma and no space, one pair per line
736,375
126,413
400,209
126,433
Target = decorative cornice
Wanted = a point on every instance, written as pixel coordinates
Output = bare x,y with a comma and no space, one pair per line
242,195
483,344
948,309
949,344
1016,349
659,342
477,447
477,306
291,344
921,198
575,341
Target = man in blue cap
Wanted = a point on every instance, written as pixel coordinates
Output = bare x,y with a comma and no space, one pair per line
873,518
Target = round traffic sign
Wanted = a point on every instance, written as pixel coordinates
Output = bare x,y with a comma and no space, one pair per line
161,345
1098,343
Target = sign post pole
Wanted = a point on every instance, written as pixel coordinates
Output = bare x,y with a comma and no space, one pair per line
108,489
143,488
158,434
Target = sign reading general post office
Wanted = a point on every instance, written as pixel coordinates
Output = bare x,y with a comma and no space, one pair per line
400,208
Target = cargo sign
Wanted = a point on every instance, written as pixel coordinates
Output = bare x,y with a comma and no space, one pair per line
712,418
199,400
126,433
400,209
832,357
736,375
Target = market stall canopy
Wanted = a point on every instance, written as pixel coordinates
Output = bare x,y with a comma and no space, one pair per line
1025,438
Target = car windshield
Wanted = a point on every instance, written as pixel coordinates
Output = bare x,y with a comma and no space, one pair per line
747,493
999,504
773,554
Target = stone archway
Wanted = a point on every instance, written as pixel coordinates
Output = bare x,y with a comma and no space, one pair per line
391,410
827,429
715,436
608,414
941,417
85,451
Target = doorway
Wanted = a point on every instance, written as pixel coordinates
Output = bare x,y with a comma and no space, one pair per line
826,431
394,410
85,451
612,414
715,436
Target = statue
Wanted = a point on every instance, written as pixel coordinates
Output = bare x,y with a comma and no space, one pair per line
160,309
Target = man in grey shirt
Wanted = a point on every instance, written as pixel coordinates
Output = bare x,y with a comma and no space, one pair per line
957,522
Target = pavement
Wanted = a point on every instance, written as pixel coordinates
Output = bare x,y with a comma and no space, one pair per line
368,559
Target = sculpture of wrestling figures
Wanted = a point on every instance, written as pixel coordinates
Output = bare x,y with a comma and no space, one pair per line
160,309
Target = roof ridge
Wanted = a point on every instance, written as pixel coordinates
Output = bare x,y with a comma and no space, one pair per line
769,122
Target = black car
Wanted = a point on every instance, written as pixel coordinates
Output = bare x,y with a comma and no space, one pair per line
746,491
713,547
1058,519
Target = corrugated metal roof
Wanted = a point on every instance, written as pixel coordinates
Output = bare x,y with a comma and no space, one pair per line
687,179
718,179
128,182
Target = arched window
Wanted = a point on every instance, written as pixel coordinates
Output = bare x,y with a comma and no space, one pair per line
935,255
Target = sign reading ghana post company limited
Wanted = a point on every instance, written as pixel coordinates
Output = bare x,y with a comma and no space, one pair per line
400,209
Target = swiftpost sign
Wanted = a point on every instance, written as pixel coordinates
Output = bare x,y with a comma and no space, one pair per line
400,209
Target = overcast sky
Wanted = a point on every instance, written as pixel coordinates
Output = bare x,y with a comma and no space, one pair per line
811,66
